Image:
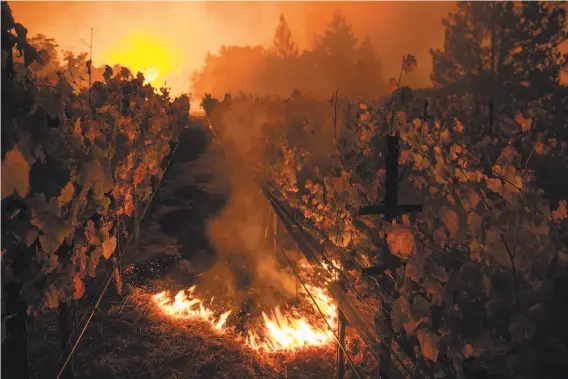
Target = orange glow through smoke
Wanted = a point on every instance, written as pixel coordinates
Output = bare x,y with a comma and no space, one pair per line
145,53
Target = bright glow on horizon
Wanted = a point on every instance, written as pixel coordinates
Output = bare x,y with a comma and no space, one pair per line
142,52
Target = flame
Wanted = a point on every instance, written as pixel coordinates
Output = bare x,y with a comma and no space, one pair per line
291,333
279,333
186,306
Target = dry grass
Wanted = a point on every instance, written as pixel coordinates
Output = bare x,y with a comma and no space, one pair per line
132,339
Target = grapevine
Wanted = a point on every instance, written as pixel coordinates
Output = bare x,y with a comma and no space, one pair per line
475,276
70,170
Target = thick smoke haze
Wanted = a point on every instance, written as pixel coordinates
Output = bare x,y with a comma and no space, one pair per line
170,40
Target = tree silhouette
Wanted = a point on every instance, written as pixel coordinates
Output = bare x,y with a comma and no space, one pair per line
368,64
503,49
338,41
508,53
334,54
282,43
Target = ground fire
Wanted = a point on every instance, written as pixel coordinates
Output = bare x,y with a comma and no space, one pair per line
289,330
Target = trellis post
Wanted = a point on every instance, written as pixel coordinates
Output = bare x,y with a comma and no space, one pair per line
341,325
391,210
490,118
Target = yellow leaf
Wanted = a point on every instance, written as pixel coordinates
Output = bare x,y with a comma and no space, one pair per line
109,246
525,123
77,130
401,242
450,220
495,185
473,199
458,126
429,344
514,184
79,287
468,351
15,174
561,212
474,222
66,193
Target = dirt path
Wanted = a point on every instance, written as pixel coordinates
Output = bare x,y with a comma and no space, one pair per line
175,231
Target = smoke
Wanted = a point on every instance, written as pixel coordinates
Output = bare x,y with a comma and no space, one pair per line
246,264
186,31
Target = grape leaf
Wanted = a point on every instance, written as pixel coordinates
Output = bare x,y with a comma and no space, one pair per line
561,212
109,246
474,222
15,174
67,193
31,235
93,261
473,200
429,343
525,123
410,63
399,314
91,234
495,185
51,297
46,217
420,308
54,233
79,287
450,220
401,242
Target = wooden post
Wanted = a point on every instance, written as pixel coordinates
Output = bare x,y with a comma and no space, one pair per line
390,207
490,119
391,210
15,362
66,319
425,116
341,324
136,220
117,273
385,364
91,69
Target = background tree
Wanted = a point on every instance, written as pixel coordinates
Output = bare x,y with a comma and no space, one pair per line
335,54
368,64
508,54
338,41
509,51
282,43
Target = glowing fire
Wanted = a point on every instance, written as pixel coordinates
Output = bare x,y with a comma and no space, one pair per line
184,305
279,332
289,332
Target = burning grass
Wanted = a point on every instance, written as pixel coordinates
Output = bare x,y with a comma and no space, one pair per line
289,331
216,352
133,338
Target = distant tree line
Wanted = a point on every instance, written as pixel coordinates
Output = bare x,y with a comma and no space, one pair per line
337,59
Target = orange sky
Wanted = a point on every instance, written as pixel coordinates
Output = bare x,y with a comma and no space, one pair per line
171,39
